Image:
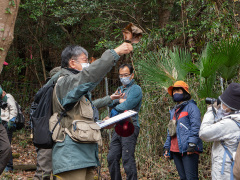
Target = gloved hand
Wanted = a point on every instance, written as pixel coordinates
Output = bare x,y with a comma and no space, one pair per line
191,148
11,124
166,153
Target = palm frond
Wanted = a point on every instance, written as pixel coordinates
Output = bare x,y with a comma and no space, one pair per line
206,86
152,70
227,52
180,58
165,66
208,62
228,73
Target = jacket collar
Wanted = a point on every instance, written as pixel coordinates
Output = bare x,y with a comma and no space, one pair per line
184,103
74,71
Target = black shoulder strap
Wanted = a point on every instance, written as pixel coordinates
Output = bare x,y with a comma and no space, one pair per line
177,114
128,89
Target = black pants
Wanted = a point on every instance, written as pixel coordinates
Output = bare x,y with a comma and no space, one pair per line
187,165
123,147
5,148
9,133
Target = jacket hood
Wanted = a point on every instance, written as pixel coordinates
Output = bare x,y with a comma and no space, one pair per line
235,117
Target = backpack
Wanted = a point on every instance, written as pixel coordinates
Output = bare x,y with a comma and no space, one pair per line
40,113
20,119
227,152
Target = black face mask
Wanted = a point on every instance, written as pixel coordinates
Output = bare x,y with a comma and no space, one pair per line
177,97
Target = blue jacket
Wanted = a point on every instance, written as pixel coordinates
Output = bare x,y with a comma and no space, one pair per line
188,126
133,95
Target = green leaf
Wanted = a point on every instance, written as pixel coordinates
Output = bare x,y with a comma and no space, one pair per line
8,11
1,49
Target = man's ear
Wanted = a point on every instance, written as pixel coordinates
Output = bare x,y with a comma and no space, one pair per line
132,75
71,64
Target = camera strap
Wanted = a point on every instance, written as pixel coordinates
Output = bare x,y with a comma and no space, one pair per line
214,111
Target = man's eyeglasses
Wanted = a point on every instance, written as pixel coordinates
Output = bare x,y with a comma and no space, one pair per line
124,75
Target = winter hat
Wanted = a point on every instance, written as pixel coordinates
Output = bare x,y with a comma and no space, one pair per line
181,84
231,96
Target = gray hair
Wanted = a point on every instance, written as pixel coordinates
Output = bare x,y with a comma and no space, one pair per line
71,52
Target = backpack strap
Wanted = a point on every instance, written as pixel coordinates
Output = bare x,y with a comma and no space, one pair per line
128,89
63,112
227,152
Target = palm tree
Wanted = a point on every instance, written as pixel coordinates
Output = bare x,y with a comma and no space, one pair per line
166,66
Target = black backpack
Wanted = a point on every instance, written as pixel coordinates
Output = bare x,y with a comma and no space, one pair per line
20,119
40,113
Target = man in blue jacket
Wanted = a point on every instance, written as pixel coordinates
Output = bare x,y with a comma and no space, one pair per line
124,147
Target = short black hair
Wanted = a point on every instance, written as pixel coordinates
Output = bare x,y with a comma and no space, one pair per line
71,52
126,65
186,95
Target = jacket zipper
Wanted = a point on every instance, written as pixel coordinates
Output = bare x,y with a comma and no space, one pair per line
184,126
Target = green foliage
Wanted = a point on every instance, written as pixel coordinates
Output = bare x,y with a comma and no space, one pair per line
165,66
12,3
228,56
8,11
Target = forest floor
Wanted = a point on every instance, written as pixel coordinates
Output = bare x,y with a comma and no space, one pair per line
24,153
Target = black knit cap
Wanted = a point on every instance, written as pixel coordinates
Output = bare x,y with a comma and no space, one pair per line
231,96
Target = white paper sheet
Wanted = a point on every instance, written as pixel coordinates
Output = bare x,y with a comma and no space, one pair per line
116,118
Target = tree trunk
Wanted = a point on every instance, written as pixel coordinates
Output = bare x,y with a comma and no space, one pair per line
8,15
164,13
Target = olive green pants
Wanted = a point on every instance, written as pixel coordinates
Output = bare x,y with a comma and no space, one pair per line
79,174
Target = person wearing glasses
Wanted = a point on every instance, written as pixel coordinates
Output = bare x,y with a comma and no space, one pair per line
124,147
73,158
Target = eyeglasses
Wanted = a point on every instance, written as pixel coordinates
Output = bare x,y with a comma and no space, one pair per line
83,59
124,75
80,59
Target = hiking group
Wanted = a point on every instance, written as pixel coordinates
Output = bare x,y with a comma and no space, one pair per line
67,146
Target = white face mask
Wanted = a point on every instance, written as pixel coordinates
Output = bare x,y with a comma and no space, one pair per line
85,65
125,80
221,113
224,111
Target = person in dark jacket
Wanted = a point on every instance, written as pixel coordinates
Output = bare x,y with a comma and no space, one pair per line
183,143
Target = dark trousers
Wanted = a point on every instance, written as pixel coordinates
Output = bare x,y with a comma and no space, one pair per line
5,148
9,133
123,147
187,165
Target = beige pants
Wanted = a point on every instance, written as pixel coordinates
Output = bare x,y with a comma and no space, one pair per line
80,174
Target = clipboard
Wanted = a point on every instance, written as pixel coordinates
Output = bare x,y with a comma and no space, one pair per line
116,118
